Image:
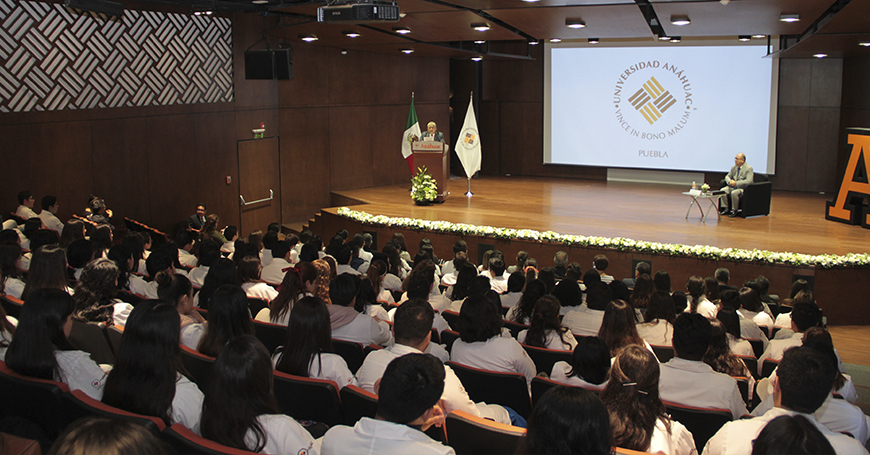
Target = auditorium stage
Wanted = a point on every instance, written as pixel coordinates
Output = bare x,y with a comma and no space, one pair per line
651,212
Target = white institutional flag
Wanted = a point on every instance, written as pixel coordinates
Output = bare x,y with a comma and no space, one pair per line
468,147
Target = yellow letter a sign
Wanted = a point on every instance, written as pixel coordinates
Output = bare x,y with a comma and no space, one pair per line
849,205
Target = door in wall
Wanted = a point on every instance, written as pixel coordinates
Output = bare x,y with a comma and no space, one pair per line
259,184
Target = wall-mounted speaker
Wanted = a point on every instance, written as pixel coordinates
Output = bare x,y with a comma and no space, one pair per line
269,64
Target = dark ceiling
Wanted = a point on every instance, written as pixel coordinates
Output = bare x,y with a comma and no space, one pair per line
442,28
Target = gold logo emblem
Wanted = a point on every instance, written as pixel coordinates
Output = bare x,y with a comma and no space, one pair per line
652,100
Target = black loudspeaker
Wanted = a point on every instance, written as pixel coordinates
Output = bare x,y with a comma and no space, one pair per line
269,64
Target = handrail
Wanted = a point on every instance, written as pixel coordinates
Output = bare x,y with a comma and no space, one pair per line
271,196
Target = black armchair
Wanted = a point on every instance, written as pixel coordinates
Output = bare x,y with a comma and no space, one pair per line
756,197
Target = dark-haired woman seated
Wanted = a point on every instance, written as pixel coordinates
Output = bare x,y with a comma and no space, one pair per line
240,410
658,326
228,318
481,345
95,294
148,377
177,290
637,415
589,368
545,330
297,283
40,347
309,350
568,420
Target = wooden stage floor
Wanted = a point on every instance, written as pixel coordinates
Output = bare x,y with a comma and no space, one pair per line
651,212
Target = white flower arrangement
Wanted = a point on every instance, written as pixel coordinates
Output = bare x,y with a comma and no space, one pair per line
423,189
622,244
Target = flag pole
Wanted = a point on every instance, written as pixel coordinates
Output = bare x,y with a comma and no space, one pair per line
469,193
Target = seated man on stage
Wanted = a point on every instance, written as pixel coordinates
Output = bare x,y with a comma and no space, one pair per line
740,177
432,131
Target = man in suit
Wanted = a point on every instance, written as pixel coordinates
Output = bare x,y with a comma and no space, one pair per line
432,131
739,178
197,220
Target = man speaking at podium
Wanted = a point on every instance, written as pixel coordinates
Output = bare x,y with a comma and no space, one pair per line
432,133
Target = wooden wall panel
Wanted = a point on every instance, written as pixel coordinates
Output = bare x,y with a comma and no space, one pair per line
310,84
247,120
821,172
216,158
825,84
248,30
351,77
350,146
387,165
124,179
305,163
491,143
791,156
169,145
794,82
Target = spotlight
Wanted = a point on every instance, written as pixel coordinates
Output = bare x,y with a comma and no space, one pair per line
480,26
680,20
555,40
676,39
865,44
307,38
820,55
575,22
406,51
480,41
402,30
759,36
534,42
344,52
593,40
789,17
203,13
744,38
260,2
664,38
477,58
351,34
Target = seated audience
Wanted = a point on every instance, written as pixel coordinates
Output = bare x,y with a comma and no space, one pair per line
107,437
411,329
545,330
459,290
643,289
74,230
79,254
347,323
730,320
804,316
640,269
515,283
324,277
687,380
618,328
308,350
95,295
497,274
753,308
101,238
48,214
127,280
586,319
481,344
658,326
240,410
13,284
522,312
589,368
749,330
184,241
367,302
40,347
26,200
720,357
423,284
47,270
376,273
209,252
637,416
520,266
274,272
222,272
570,295
794,435
228,318
804,380
148,377
711,289
568,420
248,273
560,261
409,403
599,264
697,295
662,281
298,282
177,291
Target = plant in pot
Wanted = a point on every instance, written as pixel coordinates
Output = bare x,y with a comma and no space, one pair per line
424,189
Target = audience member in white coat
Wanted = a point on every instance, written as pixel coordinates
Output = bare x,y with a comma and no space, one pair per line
409,403
48,214
347,323
95,294
241,412
637,415
658,326
589,368
544,330
298,282
697,297
177,290
209,252
248,273
228,318
568,420
147,377
273,273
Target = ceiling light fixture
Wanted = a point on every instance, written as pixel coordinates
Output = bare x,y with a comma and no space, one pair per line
480,41
476,58
555,40
820,55
260,2
864,43
402,30
789,17
480,26
351,34
593,40
759,36
531,1
203,13
534,42
744,38
575,22
676,39
308,38
664,38
680,20
406,51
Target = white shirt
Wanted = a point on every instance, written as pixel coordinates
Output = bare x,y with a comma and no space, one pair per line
121,312
736,437
495,354
584,321
364,329
566,342
511,299
284,436
706,308
80,372
25,212
186,259
50,221
739,346
274,272
391,282
455,397
379,437
560,374
260,290
678,441
197,276
658,332
346,268
13,287
841,416
776,348
187,404
327,366
692,383
191,334
758,318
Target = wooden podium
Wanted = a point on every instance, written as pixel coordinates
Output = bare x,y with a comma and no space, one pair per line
435,156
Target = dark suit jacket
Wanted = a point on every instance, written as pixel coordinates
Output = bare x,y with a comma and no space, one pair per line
194,222
439,136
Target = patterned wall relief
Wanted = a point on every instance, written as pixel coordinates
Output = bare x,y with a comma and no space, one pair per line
52,58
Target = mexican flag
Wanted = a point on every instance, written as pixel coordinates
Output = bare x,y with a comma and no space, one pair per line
412,133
